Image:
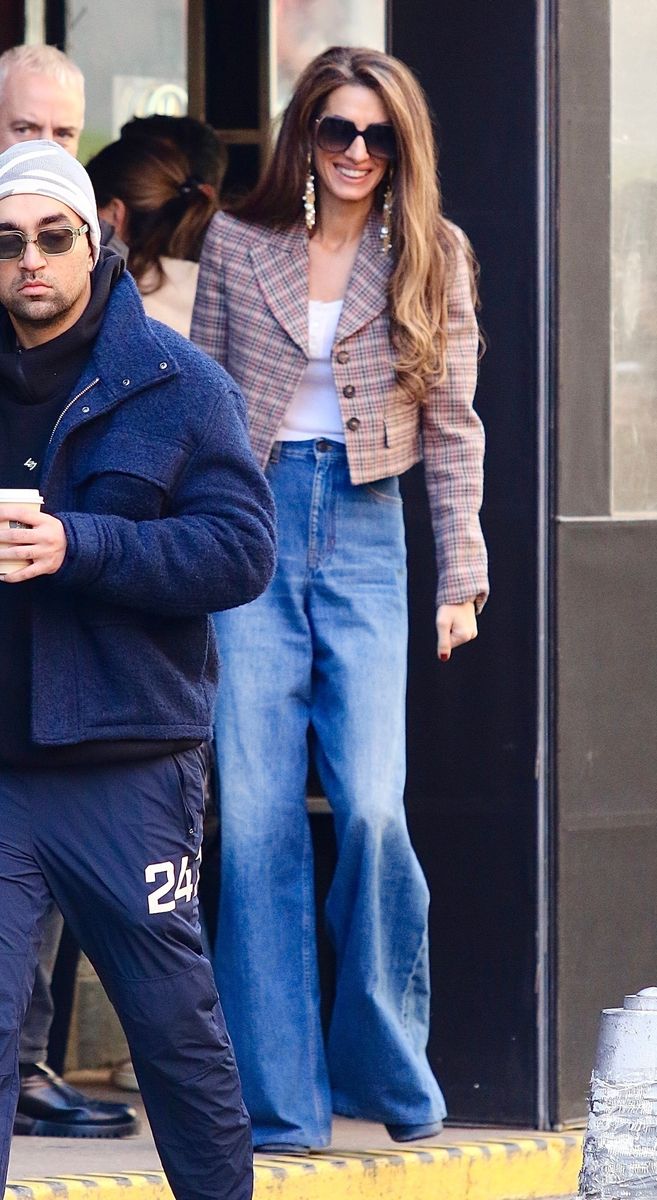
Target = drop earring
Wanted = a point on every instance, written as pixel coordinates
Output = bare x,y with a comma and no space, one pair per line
309,197
385,232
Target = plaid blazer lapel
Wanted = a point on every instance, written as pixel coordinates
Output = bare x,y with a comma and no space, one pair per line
367,290
280,265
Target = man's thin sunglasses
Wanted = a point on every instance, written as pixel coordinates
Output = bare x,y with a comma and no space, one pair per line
335,134
59,240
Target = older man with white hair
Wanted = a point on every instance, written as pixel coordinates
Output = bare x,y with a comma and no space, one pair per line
41,96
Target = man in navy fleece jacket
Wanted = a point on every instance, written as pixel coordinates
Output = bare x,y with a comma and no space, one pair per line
155,515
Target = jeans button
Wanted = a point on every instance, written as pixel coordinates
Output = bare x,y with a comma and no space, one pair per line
322,445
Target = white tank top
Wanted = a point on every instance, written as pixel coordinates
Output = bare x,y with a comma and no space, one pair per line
314,410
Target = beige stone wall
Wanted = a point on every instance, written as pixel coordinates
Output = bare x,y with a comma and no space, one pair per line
96,1038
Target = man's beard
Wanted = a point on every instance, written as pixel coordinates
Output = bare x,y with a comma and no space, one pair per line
43,313
40,312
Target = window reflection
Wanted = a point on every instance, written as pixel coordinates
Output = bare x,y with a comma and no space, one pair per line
634,255
300,29
134,58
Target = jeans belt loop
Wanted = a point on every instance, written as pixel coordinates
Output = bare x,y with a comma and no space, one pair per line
275,452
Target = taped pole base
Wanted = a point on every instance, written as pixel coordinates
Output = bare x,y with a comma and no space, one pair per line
620,1148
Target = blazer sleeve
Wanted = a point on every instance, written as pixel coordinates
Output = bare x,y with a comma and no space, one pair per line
209,317
453,450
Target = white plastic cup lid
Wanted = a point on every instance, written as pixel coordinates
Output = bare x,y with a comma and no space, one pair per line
20,496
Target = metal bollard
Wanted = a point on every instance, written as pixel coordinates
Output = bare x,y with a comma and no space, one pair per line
620,1148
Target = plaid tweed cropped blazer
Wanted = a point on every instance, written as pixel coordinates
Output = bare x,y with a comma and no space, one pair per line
251,314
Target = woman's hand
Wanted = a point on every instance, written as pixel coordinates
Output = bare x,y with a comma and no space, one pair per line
456,624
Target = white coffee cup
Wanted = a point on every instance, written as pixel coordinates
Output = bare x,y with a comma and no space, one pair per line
26,496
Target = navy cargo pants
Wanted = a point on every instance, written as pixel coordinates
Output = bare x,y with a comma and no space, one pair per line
119,849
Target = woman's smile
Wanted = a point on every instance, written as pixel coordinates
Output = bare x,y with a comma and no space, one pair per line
356,173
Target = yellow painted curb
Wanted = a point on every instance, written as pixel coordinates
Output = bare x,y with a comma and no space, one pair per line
520,1168
147,1185
515,1169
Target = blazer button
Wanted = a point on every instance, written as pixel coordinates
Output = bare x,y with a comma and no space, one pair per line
353,423
342,356
349,391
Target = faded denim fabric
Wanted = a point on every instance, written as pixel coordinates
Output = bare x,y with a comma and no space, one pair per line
324,646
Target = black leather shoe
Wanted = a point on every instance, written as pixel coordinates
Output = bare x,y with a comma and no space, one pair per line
48,1107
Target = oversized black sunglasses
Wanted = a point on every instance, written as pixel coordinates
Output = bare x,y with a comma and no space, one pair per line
335,134
59,240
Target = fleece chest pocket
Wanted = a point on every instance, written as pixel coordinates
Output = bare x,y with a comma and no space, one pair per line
129,476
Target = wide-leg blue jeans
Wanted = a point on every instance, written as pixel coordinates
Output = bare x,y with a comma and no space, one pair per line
324,647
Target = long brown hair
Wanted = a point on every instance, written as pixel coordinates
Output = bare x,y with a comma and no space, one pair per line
168,210
424,244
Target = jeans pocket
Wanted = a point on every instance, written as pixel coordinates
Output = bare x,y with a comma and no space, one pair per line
385,491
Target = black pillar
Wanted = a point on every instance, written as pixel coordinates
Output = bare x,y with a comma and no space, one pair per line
471,790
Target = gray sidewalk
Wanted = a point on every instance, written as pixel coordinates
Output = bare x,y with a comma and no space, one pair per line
361,1164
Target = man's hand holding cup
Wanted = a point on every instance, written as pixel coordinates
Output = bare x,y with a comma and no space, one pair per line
32,542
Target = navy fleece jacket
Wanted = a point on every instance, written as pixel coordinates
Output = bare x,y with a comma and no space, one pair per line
167,517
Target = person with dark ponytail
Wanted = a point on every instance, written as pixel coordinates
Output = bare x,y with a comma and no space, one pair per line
161,210
158,187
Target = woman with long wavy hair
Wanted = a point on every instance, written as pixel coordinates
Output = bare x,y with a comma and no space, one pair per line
341,299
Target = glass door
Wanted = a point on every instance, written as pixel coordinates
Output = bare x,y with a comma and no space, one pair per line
134,59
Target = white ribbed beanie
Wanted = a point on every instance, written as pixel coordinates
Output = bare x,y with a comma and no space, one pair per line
42,168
